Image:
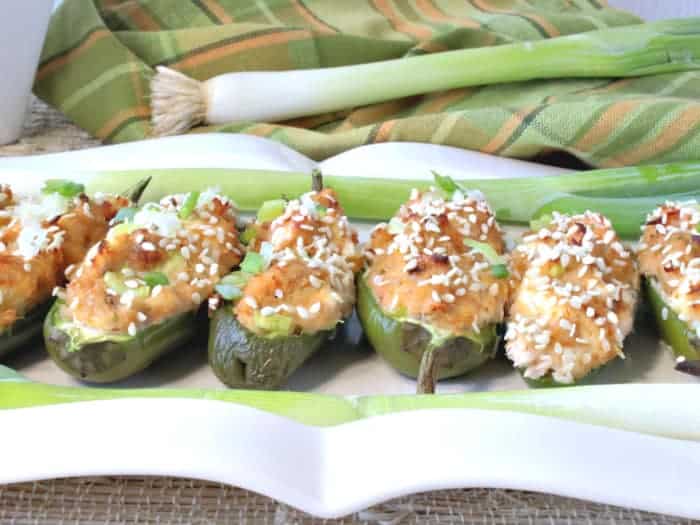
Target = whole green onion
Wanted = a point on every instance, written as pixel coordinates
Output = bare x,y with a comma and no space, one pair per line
179,102
625,195
613,406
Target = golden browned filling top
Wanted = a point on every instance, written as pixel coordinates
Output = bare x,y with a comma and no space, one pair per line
308,257
669,252
440,263
41,235
573,303
163,261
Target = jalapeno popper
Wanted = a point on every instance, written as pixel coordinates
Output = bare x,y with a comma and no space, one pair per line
42,236
137,292
669,259
296,284
436,286
575,292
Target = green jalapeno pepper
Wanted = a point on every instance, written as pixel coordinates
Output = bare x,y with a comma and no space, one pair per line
29,326
243,359
23,330
419,351
683,341
103,357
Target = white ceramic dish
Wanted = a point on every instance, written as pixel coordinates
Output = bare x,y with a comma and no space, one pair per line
333,471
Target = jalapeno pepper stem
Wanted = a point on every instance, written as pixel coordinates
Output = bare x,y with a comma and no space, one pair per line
316,180
427,375
134,193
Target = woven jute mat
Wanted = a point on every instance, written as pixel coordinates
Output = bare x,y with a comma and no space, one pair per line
170,500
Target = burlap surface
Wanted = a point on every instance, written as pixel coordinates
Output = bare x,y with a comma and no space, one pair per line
168,500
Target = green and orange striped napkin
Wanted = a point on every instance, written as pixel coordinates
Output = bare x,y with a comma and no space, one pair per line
99,56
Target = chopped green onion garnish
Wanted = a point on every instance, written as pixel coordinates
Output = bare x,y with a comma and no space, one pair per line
189,205
541,222
395,226
63,187
237,279
275,325
125,215
486,250
500,271
321,211
270,210
253,263
556,270
229,292
153,279
248,234
114,281
445,183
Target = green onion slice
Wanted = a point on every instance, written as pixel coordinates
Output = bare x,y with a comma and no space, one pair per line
189,205
395,226
271,209
153,279
500,271
541,222
275,324
238,279
253,263
125,215
499,268
248,234
63,187
229,292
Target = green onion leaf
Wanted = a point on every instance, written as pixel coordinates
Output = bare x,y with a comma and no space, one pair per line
229,292
189,205
500,271
238,279
125,215
153,279
445,183
253,263
541,222
63,187
321,211
248,234
270,210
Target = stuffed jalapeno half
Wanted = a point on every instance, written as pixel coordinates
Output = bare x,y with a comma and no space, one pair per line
669,260
436,286
295,285
137,292
43,236
573,301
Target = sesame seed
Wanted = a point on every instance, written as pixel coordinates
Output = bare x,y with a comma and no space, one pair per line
435,296
303,312
141,316
196,298
267,311
132,329
315,308
148,246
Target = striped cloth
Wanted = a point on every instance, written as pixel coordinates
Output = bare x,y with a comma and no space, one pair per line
99,57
